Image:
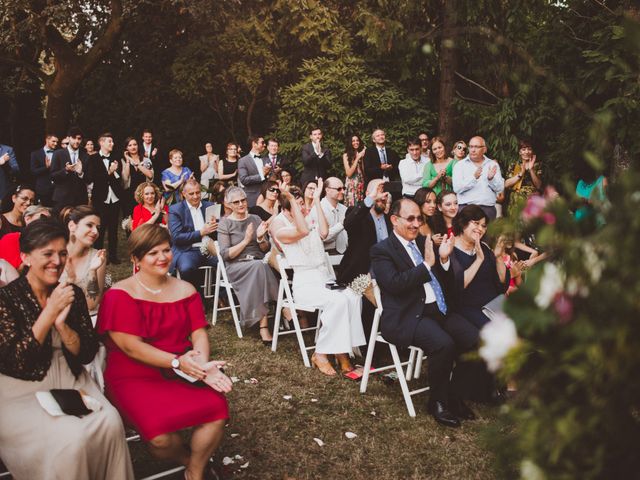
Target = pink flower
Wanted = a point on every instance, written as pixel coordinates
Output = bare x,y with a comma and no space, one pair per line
563,305
534,207
549,218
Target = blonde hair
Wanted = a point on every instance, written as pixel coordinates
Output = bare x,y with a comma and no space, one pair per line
139,193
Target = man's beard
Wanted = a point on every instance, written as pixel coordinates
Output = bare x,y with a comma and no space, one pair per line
379,208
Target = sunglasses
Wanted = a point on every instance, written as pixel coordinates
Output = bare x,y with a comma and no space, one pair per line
239,202
460,147
413,218
274,190
339,189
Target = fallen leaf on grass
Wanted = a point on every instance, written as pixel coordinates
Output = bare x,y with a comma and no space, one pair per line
234,435
253,380
245,465
287,397
227,461
314,400
373,412
319,442
235,379
350,435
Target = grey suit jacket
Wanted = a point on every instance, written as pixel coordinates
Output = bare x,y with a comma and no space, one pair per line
249,177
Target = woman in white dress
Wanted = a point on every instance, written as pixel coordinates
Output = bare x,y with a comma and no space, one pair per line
341,326
208,165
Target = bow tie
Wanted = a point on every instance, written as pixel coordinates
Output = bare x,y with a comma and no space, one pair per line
48,150
105,158
256,156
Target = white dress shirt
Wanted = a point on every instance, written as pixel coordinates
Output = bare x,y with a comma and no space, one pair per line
111,196
411,174
337,238
198,220
476,191
259,164
429,295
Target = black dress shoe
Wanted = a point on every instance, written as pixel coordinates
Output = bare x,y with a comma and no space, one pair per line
439,412
460,410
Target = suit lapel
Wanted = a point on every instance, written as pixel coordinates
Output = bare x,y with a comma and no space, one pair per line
401,252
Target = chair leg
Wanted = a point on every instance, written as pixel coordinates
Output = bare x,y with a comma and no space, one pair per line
301,344
276,322
368,361
216,299
234,312
419,356
412,359
401,378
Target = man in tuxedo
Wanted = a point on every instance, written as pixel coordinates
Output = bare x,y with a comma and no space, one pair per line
316,158
253,169
188,227
379,160
277,161
413,280
68,167
149,151
108,192
8,168
40,166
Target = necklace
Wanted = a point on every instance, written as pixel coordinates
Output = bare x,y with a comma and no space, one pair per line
150,290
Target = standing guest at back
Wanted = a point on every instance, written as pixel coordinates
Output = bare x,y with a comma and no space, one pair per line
316,158
89,147
253,169
8,167
277,161
334,210
40,166
477,179
108,177
437,174
68,167
151,152
140,171
379,160
411,169
352,159
228,167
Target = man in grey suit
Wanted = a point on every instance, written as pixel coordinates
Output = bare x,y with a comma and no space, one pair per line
253,169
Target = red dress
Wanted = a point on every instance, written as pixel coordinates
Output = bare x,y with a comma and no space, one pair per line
152,399
141,216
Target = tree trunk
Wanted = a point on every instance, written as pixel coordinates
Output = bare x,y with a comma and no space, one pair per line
448,62
58,110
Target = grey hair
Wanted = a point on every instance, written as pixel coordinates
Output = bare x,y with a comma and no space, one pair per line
232,191
35,210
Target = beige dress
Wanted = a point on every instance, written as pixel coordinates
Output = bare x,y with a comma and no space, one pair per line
37,446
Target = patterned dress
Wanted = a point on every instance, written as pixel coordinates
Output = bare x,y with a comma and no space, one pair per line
354,188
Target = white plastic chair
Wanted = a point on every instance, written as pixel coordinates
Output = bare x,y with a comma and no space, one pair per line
222,280
413,364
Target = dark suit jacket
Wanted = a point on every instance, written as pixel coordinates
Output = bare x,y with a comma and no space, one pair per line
8,170
41,173
372,164
401,285
281,162
182,229
102,180
250,177
314,166
69,188
362,236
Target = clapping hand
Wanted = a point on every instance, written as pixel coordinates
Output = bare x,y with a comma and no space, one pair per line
113,167
248,233
318,191
98,260
429,256
262,229
478,248
159,205
493,169
437,239
446,247
478,172
266,169
4,159
60,301
215,378
498,250
189,365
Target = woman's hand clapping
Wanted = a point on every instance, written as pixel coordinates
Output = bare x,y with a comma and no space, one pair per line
215,378
98,260
189,365
60,301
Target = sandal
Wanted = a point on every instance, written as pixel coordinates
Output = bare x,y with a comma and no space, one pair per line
344,362
323,365
266,343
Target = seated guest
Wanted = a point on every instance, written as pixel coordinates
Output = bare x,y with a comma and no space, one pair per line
151,207
267,205
286,178
412,168
426,200
10,243
253,169
480,275
308,192
46,336
413,281
155,325
188,228
7,273
334,211
174,177
442,220
12,220
86,266
340,325
243,242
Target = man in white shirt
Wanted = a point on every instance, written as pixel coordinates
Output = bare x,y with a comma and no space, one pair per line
412,169
334,210
477,179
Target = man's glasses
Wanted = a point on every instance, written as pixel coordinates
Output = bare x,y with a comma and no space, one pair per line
239,202
274,190
339,189
475,147
413,218
65,144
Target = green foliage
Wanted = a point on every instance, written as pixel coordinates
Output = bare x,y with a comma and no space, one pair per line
344,97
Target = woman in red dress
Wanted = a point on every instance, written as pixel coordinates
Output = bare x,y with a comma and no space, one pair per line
150,208
155,325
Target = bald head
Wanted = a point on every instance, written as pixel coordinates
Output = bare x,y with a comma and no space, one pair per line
477,149
334,190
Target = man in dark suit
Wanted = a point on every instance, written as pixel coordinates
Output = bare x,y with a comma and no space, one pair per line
68,167
188,227
380,161
40,166
316,158
412,281
108,192
8,168
277,161
150,151
253,169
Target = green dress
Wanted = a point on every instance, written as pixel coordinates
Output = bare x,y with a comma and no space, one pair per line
430,173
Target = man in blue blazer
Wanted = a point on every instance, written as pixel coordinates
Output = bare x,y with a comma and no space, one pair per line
8,168
40,166
413,284
188,227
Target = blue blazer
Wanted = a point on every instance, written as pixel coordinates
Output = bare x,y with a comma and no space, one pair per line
183,233
401,287
6,170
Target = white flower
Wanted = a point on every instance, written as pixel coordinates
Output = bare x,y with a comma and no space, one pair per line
550,284
350,435
319,442
593,261
204,251
498,337
531,471
360,284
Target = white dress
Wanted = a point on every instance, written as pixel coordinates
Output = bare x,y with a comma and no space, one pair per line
209,174
341,324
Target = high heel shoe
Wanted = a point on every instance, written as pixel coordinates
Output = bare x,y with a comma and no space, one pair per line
344,362
266,343
323,365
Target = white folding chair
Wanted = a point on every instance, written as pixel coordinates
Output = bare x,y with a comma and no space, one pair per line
413,364
222,280
285,300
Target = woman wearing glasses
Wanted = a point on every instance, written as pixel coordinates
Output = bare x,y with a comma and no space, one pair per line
243,244
267,205
12,221
228,167
437,173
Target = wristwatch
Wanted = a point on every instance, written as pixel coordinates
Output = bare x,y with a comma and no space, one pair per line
175,363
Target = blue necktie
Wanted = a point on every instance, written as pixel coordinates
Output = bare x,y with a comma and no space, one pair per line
437,289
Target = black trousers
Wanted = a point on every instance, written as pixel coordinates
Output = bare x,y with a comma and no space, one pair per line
109,214
444,339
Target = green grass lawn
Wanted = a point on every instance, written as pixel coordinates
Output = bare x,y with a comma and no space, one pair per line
275,436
